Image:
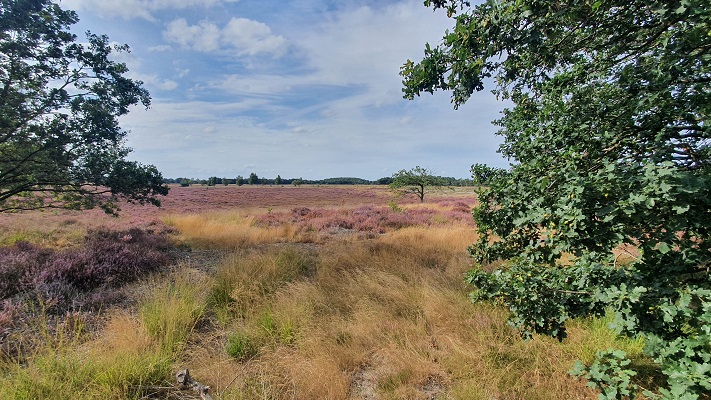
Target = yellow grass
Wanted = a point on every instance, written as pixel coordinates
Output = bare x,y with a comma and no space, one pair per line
345,318
172,307
385,318
42,230
226,230
131,353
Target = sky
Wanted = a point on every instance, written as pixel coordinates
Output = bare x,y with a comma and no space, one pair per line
302,88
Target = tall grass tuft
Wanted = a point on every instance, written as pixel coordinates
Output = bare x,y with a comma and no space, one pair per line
65,365
173,308
244,280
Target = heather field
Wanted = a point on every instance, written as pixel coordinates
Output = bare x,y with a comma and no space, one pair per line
60,228
267,292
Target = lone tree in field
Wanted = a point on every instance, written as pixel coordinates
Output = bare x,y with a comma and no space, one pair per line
415,181
60,142
609,134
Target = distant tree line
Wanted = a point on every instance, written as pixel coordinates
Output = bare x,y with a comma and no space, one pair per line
253,179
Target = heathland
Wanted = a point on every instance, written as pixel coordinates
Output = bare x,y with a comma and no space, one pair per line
268,292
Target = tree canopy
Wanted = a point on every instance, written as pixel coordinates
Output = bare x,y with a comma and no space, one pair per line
482,174
415,181
253,179
60,142
607,207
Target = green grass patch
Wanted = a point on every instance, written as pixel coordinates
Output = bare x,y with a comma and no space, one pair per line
173,309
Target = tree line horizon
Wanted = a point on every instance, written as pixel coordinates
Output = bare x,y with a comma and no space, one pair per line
215,181
418,176
481,174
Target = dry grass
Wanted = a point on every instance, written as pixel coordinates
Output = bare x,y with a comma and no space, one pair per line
307,315
384,318
130,353
229,230
232,230
41,229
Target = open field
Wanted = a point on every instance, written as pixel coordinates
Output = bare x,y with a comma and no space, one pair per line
60,228
267,293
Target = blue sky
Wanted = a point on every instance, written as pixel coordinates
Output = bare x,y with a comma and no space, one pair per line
304,88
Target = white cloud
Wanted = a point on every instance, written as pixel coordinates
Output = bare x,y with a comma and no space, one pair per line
160,49
164,84
243,36
330,106
183,72
253,37
128,9
361,49
202,37
259,85
367,45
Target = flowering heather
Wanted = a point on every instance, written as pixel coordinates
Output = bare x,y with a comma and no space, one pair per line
106,259
363,219
67,228
18,265
197,199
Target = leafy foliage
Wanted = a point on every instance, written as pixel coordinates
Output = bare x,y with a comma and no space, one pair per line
610,137
60,142
483,174
253,179
415,181
608,373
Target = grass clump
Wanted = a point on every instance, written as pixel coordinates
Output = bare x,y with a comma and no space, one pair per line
241,346
265,330
171,312
68,365
226,231
131,352
589,335
244,280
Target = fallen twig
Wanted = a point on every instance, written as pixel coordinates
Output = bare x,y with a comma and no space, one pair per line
185,381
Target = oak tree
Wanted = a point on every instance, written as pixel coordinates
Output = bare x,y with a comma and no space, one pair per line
607,207
60,142
482,174
415,181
